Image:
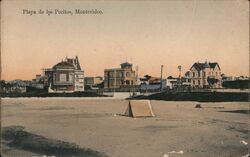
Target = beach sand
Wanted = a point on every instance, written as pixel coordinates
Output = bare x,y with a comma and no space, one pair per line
179,129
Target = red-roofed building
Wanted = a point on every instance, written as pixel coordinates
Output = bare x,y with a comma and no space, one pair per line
65,76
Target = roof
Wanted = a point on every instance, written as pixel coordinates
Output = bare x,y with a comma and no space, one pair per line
126,64
213,65
200,66
74,62
64,65
114,69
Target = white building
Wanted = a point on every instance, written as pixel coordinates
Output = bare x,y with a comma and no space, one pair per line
205,75
171,82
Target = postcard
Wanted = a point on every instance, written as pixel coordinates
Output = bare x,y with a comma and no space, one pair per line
124,78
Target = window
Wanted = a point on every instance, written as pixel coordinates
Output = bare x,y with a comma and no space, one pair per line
106,74
128,74
193,74
199,74
199,82
62,77
111,74
194,82
70,77
204,74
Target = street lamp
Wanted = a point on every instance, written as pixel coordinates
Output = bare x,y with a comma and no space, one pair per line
179,67
161,76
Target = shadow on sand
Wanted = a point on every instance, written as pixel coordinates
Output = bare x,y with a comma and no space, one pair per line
18,138
238,111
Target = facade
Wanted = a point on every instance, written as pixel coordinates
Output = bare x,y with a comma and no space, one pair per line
92,81
150,80
14,86
152,84
65,76
171,82
38,82
205,75
120,77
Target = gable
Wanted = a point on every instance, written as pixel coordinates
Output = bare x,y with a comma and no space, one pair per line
193,69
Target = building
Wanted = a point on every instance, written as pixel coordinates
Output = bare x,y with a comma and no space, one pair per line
147,79
120,77
171,82
91,82
38,82
205,75
152,84
65,76
14,86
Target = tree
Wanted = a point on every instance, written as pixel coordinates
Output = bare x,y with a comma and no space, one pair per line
237,84
2,83
170,77
147,77
212,81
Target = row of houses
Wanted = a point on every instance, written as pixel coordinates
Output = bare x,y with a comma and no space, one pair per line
68,76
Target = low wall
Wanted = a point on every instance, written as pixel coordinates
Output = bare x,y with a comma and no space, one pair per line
198,96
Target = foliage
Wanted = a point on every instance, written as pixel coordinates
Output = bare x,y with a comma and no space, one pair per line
147,77
236,84
212,81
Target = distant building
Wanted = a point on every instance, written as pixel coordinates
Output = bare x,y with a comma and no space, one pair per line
120,77
91,82
65,76
205,75
185,80
147,79
226,78
38,78
38,82
152,84
14,86
171,82
20,83
242,78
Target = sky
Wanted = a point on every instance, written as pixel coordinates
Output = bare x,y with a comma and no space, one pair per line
146,33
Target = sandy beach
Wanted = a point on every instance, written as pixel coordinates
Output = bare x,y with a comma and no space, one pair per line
179,129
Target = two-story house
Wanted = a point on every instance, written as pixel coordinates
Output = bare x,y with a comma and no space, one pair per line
205,75
65,76
120,77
